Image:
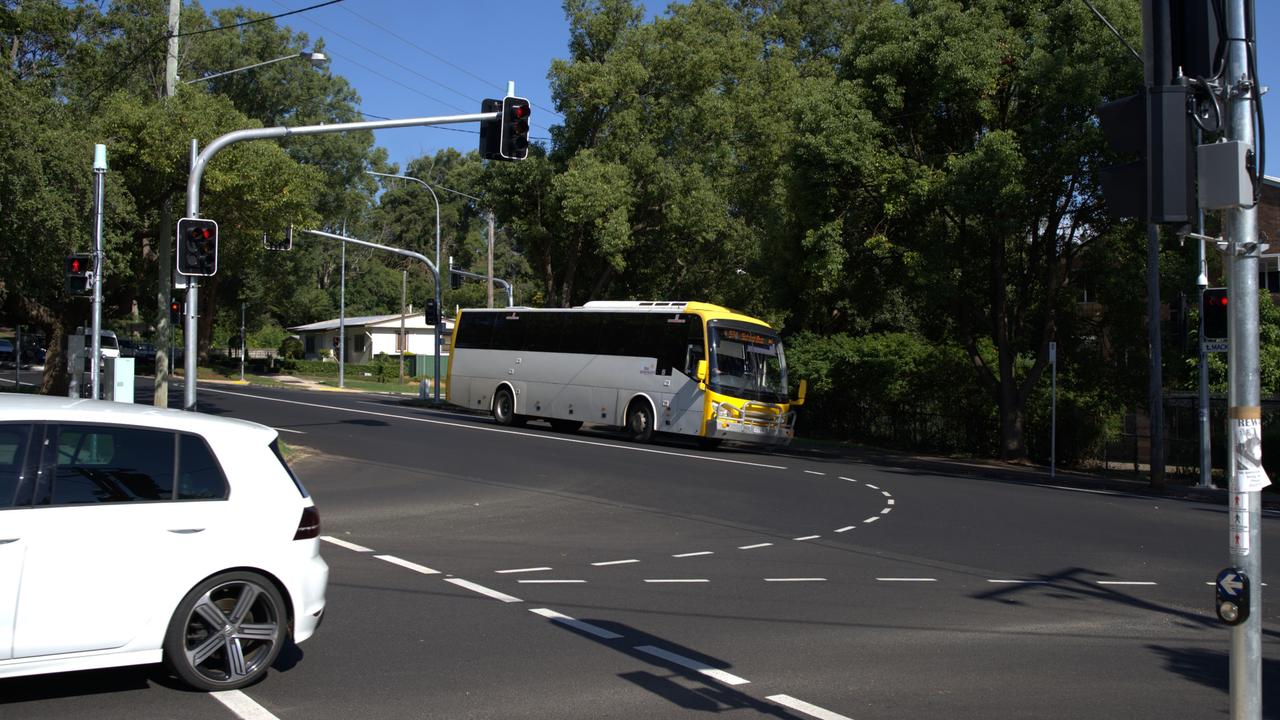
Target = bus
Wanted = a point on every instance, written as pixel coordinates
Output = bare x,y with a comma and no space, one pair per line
684,368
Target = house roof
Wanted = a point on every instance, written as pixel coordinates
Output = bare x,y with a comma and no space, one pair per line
412,321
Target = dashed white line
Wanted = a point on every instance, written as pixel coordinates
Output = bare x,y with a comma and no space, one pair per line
814,472
796,579
705,669
906,579
849,479
406,564
551,582
678,580
1125,582
242,705
890,501
886,493
345,544
295,432
522,570
847,528
807,537
483,590
873,487
753,547
614,562
806,708
694,554
871,519
886,511
1019,582
576,624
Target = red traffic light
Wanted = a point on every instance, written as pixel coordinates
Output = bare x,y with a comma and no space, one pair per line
75,265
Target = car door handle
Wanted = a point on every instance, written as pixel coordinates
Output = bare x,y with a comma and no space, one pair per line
186,531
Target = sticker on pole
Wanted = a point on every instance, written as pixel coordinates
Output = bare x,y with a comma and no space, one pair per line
1246,437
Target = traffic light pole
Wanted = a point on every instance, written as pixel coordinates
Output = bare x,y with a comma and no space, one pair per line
193,202
99,187
1244,432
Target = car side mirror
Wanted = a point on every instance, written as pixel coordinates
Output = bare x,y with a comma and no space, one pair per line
800,393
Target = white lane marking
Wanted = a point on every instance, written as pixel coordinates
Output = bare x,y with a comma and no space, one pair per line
798,579
814,472
890,501
345,544
705,669
807,537
806,708
614,562
551,582
886,511
483,590
873,487
406,564
871,519
522,570
753,547
295,432
886,493
849,479
678,580
482,428
575,624
1023,582
694,554
847,528
907,579
1125,582
242,705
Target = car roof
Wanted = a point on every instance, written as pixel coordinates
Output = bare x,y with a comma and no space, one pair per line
44,408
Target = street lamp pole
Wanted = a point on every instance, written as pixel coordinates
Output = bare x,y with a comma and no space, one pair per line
316,58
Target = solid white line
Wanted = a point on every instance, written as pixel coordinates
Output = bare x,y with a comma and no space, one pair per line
907,579
702,552
295,432
1024,582
871,519
242,705
809,579
468,426
753,547
576,624
483,590
873,487
345,544
1125,582
847,528
679,580
806,708
550,582
614,562
815,472
522,570
807,537
705,669
406,564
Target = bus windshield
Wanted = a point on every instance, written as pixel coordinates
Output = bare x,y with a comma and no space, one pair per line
747,362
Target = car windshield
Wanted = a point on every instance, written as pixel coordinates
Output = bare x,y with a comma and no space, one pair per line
747,361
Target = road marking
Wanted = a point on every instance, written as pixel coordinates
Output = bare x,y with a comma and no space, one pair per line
550,582
806,708
242,705
847,528
522,570
873,487
295,432
345,544
807,537
753,547
809,579
814,472
702,552
1125,582
871,519
705,669
406,564
849,479
679,580
894,579
614,562
886,511
890,501
470,426
886,493
483,590
1023,582
575,624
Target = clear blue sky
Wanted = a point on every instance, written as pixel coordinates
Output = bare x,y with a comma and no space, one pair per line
414,58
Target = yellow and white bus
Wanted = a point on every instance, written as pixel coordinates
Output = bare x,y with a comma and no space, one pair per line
686,368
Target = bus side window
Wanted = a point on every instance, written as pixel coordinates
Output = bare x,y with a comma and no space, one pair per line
475,329
508,332
694,350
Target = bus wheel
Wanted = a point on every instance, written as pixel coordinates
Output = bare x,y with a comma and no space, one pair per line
640,421
566,426
504,408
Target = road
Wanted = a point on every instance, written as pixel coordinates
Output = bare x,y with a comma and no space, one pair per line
485,572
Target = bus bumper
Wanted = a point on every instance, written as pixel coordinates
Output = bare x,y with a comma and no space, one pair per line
775,432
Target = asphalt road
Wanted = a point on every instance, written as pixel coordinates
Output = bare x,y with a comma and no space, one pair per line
485,572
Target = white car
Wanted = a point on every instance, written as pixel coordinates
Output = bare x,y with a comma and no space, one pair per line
131,534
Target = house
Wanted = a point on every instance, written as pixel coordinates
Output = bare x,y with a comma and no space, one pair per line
1269,232
369,336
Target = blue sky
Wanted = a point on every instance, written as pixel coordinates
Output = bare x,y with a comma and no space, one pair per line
415,58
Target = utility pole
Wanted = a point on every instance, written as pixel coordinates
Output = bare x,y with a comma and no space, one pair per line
164,250
404,284
244,351
489,282
99,193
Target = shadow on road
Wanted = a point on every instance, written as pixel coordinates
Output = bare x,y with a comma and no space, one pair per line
1212,669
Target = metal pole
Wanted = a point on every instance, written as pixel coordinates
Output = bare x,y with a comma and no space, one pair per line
17,360
342,316
190,330
99,185
243,349
1053,412
1155,386
1246,477
489,283
1202,282
404,284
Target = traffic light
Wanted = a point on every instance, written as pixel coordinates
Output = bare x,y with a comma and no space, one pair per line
285,244
197,246
455,280
490,130
515,128
1214,312
432,313
175,312
79,274
1153,128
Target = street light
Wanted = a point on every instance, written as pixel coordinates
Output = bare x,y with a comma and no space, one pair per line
436,333
316,59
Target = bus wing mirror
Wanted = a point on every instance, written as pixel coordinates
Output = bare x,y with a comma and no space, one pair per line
701,371
800,393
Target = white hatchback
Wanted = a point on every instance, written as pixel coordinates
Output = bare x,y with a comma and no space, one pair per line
131,535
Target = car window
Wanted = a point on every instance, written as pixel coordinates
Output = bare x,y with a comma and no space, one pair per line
96,464
199,475
13,449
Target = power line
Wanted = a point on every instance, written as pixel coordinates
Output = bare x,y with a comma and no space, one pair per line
258,20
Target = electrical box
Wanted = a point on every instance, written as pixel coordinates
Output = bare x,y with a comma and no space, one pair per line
1223,175
119,380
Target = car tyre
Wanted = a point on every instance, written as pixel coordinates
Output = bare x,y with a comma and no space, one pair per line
226,632
639,421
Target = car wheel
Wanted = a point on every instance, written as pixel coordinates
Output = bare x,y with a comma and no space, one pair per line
226,632
640,421
504,408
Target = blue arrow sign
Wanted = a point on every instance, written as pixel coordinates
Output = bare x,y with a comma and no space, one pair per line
1232,583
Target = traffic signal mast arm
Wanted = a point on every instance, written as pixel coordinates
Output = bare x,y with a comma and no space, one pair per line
477,276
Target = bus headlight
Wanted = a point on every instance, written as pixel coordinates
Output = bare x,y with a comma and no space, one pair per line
725,410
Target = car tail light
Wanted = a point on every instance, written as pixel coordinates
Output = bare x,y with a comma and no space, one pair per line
309,525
